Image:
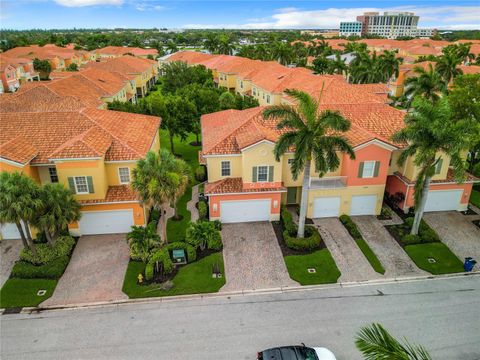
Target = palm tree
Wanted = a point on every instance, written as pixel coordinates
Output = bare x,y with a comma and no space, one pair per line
172,47
282,52
337,66
431,133
447,66
160,179
366,69
59,208
315,134
225,45
390,64
375,343
211,43
426,83
142,241
19,204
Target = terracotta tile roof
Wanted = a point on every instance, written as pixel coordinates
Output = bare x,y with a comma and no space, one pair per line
79,87
48,51
125,65
235,185
37,99
19,149
87,132
229,131
471,69
468,178
116,193
189,57
122,50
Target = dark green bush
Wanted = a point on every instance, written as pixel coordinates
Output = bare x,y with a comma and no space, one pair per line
52,270
202,210
149,272
200,173
287,220
311,241
189,249
40,238
351,227
45,254
214,242
162,256
426,233
217,224
154,215
410,239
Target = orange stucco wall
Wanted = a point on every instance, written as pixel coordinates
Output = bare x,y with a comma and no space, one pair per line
394,185
368,153
27,170
255,196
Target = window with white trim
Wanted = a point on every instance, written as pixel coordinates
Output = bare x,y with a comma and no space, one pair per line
124,175
81,184
254,91
53,175
368,169
268,99
225,168
262,173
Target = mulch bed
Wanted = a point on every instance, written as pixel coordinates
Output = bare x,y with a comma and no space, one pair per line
397,210
383,217
278,228
395,235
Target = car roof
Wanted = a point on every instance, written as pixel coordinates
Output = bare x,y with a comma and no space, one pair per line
284,353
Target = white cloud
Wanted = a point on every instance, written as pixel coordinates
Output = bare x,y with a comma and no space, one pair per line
444,17
149,7
81,3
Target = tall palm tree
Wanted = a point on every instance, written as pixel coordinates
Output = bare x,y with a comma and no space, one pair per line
447,66
172,47
390,64
432,134
160,179
337,66
366,68
19,204
375,343
282,52
211,43
225,45
316,136
426,83
59,208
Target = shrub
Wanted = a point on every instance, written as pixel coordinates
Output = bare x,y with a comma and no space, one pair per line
189,249
410,239
310,242
426,233
214,242
351,227
162,256
200,173
476,170
202,210
287,220
217,224
40,238
45,254
52,270
149,272
154,216
386,212
204,234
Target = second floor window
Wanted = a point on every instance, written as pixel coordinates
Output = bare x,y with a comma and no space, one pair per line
124,175
225,168
81,184
262,173
268,99
368,169
438,167
53,175
241,84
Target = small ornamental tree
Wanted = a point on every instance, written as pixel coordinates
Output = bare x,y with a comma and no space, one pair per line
43,67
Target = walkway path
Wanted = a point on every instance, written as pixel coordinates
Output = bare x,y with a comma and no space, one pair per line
191,205
9,253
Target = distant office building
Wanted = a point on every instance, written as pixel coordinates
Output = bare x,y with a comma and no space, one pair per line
351,28
426,33
390,25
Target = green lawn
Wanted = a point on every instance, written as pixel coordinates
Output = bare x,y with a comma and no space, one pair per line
176,229
370,255
194,278
475,198
445,261
23,292
321,260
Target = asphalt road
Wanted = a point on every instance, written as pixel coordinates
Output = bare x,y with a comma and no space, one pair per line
443,315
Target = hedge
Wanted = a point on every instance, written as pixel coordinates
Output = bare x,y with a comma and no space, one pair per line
425,233
311,242
51,270
161,256
45,254
202,210
287,220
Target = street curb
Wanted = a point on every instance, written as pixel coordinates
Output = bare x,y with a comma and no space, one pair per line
228,294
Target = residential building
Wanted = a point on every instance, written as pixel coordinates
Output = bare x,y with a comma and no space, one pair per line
9,76
90,151
351,28
117,51
390,25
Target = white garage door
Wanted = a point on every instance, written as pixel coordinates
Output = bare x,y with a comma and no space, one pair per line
245,211
443,200
106,222
9,231
363,205
326,207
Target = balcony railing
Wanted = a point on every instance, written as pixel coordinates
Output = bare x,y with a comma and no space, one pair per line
331,182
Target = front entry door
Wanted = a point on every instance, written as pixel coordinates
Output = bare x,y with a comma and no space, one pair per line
291,195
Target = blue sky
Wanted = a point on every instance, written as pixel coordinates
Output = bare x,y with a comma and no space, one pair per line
27,14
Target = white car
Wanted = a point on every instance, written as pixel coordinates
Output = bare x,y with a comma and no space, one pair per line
296,352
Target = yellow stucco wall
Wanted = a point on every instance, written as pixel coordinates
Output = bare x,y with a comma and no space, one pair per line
214,167
44,174
258,155
111,171
410,170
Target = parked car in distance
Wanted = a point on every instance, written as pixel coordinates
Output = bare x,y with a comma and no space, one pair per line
296,352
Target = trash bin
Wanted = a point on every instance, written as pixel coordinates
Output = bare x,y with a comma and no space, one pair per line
469,264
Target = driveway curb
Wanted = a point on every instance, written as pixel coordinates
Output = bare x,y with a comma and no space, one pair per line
278,290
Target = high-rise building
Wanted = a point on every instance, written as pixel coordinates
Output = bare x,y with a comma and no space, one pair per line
390,25
351,28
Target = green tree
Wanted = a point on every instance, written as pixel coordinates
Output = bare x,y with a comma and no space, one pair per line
390,64
203,234
59,208
282,52
19,204
143,241
337,66
43,67
211,43
316,136
172,47
431,134
178,74
225,45
375,343
426,83
227,100
321,65
72,67
447,65
160,179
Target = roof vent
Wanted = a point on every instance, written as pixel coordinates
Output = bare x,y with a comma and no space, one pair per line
101,80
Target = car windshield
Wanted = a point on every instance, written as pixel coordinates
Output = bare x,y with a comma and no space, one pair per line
306,353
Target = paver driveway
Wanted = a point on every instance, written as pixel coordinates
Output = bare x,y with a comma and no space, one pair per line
253,259
95,272
458,232
9,251
394,259
350,260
